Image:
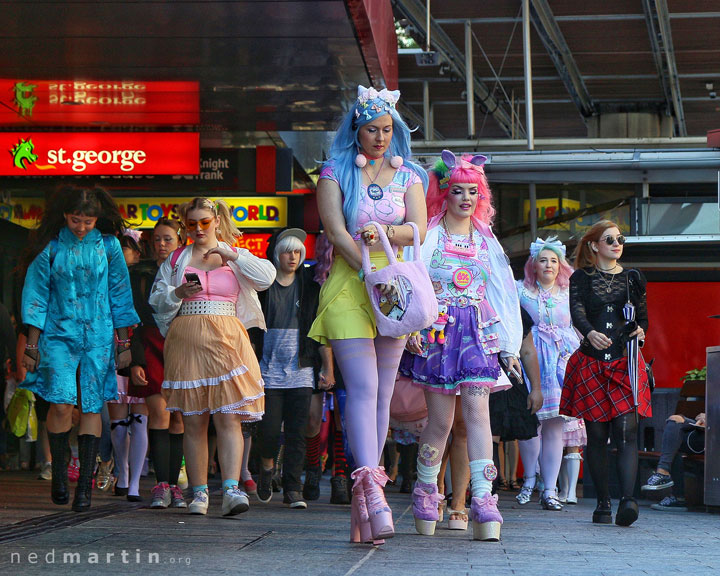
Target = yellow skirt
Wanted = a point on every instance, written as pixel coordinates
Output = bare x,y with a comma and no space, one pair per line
344,310
210,366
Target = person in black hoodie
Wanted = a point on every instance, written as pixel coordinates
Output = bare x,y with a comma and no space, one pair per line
290,363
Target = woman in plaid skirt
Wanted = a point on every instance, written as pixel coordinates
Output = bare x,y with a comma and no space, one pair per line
597,385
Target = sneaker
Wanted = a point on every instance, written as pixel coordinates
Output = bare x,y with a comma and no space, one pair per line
339,490
45,471
183,479
658,481
250,487
161,496
201,500
670,504
524,495
177,500
264,488
311,488
294,500
235,501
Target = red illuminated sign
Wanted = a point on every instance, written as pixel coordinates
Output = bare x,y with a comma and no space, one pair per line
82,103
98,154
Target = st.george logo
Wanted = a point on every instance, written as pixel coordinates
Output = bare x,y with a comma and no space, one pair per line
23,154
24,98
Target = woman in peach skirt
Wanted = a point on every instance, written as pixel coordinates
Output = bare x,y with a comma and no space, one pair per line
205,296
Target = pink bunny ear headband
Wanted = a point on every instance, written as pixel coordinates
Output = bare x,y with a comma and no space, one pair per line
450,163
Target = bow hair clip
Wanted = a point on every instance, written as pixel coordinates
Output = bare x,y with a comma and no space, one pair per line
551,243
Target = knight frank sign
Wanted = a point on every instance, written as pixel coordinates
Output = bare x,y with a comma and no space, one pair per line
99,153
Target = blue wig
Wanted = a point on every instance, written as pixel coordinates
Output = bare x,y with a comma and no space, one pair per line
346,146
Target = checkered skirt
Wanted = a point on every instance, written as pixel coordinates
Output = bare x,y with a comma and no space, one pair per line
600,391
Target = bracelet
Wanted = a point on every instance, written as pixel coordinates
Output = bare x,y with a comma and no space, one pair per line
390,231
31,346
361,275
123,341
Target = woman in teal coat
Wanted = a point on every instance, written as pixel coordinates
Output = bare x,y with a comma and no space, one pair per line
77,304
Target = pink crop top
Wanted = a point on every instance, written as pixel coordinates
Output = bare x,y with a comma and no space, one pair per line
390,208
219,285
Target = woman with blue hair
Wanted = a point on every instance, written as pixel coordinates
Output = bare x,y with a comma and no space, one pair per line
369,177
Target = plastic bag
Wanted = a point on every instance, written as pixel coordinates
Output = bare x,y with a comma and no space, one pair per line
21,415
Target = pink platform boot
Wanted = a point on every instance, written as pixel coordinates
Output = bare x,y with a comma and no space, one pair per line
359,521
425,507
373,479
486,518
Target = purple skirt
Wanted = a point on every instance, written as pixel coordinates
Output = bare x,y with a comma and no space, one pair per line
467,358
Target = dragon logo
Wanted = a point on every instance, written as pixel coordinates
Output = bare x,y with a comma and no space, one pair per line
24,98
22,153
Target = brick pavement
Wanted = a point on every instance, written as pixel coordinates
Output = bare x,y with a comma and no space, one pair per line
272,539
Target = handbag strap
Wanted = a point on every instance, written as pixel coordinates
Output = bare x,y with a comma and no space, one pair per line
389,252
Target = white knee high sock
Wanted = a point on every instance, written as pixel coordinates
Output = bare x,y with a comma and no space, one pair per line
529,452
119,437
481,485
138,451
427,474
572,461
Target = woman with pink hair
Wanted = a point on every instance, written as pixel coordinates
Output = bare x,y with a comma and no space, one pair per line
479,326
544,294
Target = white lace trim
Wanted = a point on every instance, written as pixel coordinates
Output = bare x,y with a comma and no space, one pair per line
190,384
228,409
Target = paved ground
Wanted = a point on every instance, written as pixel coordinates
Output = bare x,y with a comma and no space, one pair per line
274,540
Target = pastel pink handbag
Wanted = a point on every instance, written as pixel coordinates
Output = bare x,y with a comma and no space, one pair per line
413,305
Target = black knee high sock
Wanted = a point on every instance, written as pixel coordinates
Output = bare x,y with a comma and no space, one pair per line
176,456
624,433
596,457
160,453
496,461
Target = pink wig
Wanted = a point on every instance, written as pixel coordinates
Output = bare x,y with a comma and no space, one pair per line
324,257
466,170
555,246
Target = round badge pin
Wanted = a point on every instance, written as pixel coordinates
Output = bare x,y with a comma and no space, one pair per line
462,278
374,191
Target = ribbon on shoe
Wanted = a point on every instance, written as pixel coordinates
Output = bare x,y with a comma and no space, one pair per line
412,306
425,504
484,509
377,475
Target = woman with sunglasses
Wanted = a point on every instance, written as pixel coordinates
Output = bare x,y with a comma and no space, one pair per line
597,385
205,297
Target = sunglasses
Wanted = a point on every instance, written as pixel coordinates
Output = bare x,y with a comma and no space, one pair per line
204,224
610,240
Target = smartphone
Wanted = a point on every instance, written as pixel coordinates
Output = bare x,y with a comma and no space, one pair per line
511,369
192,277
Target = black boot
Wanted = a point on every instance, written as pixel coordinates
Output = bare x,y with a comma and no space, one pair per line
59,450
627,512
603,512
87,451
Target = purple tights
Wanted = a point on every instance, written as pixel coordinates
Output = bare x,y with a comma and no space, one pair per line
368,368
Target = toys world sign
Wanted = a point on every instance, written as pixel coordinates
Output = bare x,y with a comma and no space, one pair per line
250,212
99,153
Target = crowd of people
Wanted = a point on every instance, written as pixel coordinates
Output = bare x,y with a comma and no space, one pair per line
201,339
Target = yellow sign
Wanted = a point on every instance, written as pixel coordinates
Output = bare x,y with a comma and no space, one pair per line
548,208
247,212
